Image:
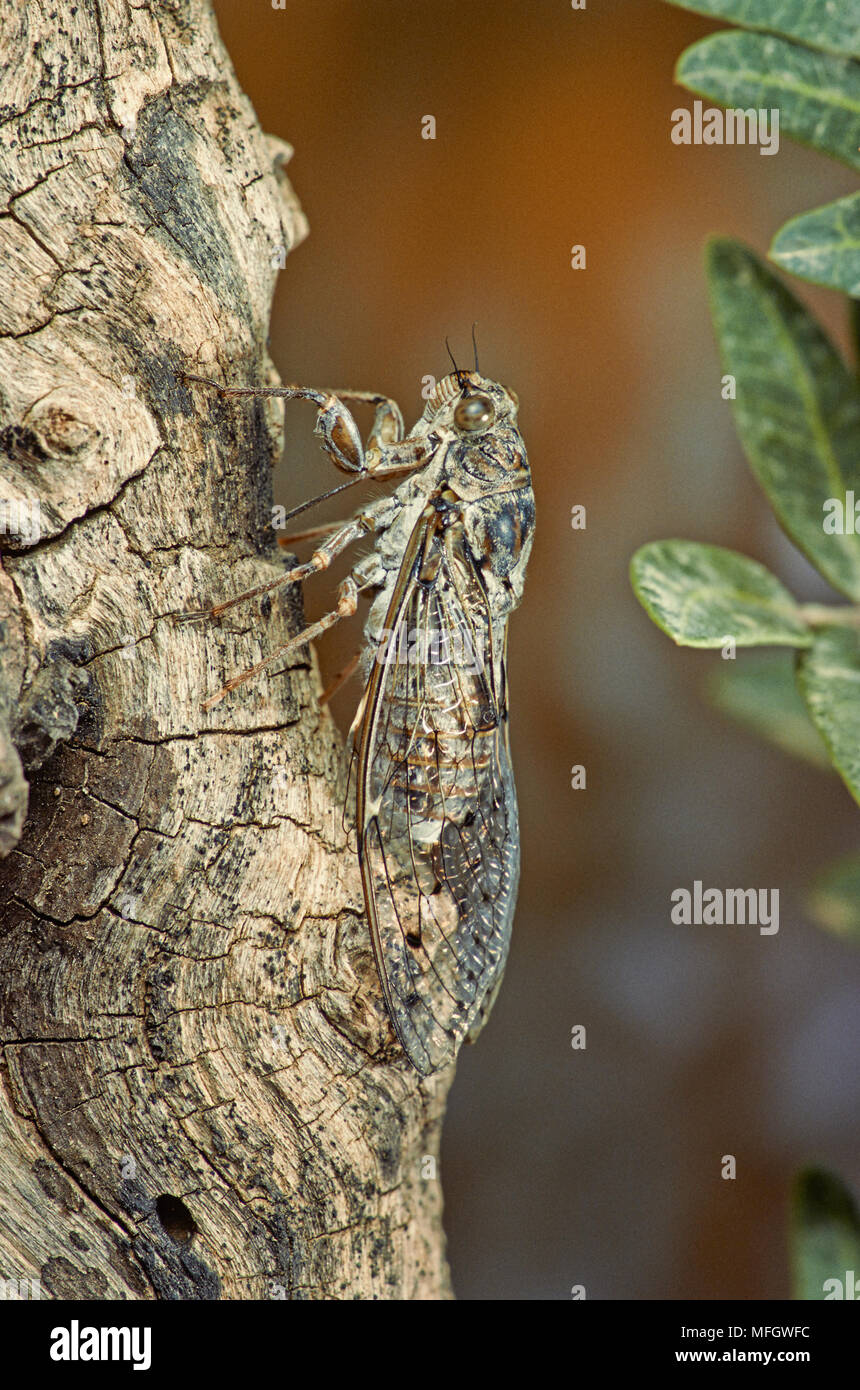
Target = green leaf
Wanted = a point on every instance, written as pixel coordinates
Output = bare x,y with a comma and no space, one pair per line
834,899
825,1234
817,95
823,246
702,595
834,27
829,678
761,693
797,408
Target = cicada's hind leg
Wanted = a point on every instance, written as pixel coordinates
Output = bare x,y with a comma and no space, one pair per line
360,525
312,533
367,574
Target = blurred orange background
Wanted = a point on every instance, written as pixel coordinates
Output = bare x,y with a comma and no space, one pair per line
601,1167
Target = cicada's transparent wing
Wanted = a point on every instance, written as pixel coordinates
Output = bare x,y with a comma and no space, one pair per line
437,816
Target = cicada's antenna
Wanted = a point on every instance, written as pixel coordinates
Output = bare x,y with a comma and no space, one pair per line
458,371
475,346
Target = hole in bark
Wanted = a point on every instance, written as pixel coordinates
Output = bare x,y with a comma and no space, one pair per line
175,1218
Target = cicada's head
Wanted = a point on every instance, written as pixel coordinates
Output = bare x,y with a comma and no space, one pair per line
475,421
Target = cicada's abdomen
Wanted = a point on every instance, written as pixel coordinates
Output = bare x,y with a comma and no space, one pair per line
440,855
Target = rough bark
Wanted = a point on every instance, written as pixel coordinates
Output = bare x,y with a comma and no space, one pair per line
200,1096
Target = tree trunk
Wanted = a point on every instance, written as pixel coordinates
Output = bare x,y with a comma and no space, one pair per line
200,1094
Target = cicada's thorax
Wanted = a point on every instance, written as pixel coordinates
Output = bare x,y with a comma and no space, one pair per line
499,521
489,478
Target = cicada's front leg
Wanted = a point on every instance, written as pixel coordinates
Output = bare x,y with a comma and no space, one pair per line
341,439
386,452
387,425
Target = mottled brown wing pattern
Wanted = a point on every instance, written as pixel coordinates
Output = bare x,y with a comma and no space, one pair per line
437,816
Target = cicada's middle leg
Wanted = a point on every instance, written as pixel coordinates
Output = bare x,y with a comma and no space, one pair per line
340,540
365,575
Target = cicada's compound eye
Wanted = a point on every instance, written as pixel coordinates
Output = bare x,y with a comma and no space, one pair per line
474,413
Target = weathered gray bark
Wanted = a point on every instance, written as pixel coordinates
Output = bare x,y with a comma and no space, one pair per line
199,1095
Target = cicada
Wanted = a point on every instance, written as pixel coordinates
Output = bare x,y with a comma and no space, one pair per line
435,804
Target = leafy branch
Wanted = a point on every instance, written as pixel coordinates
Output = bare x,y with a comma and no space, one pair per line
796,405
